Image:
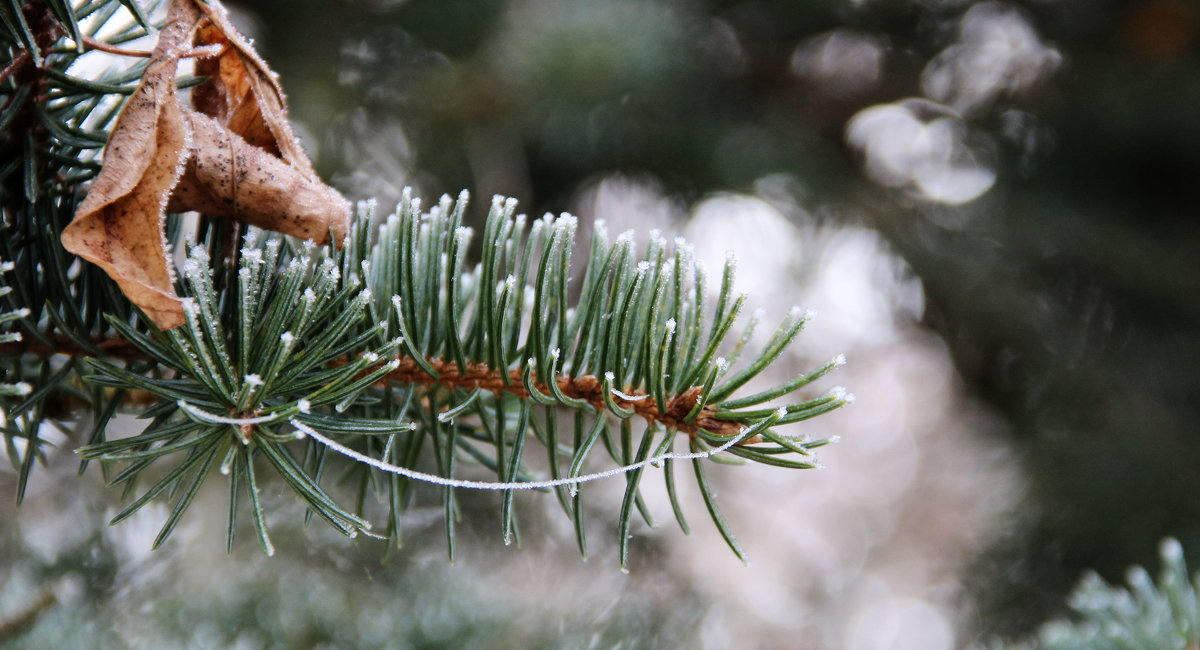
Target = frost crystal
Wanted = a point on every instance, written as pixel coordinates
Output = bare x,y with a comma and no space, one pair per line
200,254
251,240
328,266
1171,550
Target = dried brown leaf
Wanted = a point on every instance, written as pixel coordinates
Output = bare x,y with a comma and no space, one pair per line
227,176
242,92
119,224
234,156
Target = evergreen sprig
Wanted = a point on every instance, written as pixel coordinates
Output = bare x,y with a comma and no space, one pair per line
393,358
389,345
1146,614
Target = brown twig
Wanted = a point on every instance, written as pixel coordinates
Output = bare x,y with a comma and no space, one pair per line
14,65
25,618
586,387
60,344
477,375
198,52
94,44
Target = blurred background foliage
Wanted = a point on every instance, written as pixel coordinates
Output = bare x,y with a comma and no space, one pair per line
1033,164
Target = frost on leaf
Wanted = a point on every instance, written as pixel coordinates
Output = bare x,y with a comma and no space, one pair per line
231,155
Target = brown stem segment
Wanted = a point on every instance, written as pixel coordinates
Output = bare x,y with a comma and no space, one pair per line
586,387
477,375
14,65
60,344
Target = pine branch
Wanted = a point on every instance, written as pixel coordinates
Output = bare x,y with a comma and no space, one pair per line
291,371
1146,614
393,351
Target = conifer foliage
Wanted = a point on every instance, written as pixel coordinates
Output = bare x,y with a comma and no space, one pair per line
386,357
1145,614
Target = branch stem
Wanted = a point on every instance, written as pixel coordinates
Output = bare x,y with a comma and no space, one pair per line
586,387
477,376
13,65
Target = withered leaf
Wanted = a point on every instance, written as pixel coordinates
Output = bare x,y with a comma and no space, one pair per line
119,224
242,93
227,176
234,156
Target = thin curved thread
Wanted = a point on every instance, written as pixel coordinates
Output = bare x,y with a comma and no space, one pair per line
306,430
490,485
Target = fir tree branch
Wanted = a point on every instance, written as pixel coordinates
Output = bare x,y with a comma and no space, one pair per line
1145,614
394,350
